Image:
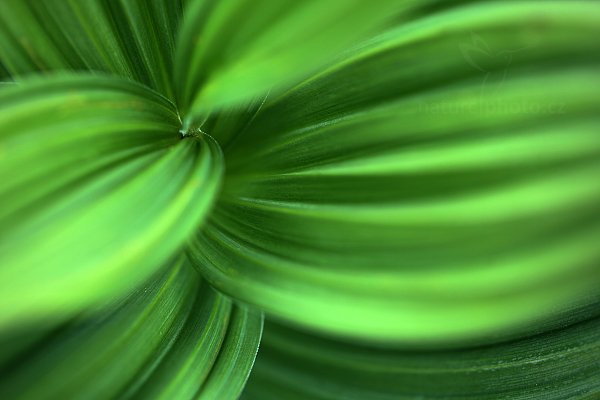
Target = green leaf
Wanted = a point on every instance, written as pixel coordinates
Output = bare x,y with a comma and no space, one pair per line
168,340
130,38
561,364
433,203
98,189
231,51
236,359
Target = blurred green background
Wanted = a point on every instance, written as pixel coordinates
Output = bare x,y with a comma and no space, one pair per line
406,191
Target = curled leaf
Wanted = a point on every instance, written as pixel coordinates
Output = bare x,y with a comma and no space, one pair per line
169,339
98,189
430,203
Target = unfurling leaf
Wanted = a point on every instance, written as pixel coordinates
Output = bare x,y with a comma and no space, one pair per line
98,189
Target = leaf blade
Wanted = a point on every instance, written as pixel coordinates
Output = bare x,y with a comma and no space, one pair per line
138,347
370,197
131,39
271,45
102,199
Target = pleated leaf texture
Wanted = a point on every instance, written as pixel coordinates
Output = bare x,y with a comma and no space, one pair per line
406,191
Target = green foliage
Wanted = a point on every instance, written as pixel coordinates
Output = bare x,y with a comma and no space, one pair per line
133,39
98,190
365,200
174,337
561,364
273,43
407,189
